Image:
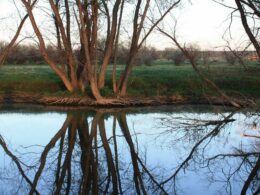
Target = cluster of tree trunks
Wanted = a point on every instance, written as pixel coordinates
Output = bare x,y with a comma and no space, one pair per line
88,71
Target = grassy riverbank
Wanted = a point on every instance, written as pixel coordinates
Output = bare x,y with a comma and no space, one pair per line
156,80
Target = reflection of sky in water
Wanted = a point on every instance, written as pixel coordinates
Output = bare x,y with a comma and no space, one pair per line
30,129
164,151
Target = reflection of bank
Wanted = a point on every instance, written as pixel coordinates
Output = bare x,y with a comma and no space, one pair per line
85,157
250,129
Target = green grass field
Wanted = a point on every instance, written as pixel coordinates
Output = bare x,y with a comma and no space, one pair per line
156,80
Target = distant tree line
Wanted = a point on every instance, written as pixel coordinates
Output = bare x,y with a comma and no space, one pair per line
30,54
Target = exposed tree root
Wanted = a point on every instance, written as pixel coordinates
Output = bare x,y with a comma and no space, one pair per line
114,102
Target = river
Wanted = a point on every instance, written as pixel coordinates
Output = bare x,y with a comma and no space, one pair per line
153,150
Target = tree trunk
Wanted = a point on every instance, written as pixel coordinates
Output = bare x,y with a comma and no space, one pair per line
124,81
124,78
194,66
6,50
95,90
109,46
247,28
42,48
114,81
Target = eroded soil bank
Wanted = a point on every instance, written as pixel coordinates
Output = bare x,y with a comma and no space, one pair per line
31,98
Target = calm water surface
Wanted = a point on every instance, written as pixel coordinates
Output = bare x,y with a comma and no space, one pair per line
163,150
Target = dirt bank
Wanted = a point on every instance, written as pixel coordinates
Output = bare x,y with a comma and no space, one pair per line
115,102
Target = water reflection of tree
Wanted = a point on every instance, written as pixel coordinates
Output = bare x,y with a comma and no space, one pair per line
80,158
243,165
201,132
84,157
16,162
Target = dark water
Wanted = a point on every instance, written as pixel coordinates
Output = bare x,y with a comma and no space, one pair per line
163,150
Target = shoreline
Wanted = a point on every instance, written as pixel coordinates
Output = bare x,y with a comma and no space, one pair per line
30,98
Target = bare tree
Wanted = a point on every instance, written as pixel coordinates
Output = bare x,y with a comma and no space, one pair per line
177,57
236,54
88,14
146,55
4,53
230,57
116,47
248,10
242,6
113,29
87,19
206,57
190,55
138,29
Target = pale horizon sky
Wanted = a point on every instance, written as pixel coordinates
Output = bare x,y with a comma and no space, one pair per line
202,23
